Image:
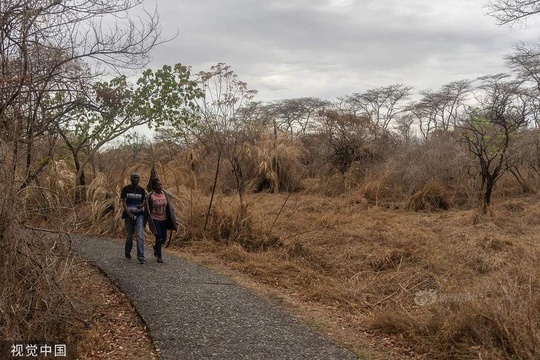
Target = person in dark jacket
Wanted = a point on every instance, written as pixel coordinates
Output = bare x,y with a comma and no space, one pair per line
133,197
160,215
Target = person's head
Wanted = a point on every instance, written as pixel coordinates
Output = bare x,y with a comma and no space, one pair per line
157,186
135,178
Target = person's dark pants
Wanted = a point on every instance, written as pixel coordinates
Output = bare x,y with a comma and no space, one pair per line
132,227
161,236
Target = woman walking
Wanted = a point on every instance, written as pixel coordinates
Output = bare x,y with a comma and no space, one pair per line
160,215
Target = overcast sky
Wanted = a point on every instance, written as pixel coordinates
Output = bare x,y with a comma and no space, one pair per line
330,48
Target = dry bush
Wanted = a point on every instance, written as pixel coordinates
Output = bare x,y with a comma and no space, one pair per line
174,174
229,223
332,185
279,162
524,160
53,201
105,210
440,158
433,196
33,270
391,178
60,178
380,189
508,186
485,305
267,163
411,172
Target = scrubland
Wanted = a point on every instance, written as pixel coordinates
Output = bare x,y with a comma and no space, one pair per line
395,252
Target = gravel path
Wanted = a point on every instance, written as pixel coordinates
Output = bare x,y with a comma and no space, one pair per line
194,313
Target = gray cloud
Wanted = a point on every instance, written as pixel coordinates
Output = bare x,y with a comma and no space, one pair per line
329,48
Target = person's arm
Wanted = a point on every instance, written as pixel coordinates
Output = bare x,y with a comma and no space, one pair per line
141,205
148,204
129,214
124,204
171,213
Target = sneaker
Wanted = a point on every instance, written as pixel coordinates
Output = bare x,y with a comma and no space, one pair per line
141,261
128,256
159,260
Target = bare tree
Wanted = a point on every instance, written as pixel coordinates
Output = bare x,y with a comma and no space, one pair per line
220,126
512,11
441,110
381,104
525,62
295,115
347,137
49,48
404,127
489,130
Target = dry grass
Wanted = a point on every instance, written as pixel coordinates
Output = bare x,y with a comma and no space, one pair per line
33,266
34,270
395,253
373,265
433,196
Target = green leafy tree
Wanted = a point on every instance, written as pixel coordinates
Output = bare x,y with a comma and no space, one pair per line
51,47
166,97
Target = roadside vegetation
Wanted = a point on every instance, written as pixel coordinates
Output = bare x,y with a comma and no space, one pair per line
409,214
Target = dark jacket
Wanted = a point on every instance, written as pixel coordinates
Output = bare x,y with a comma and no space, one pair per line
169,210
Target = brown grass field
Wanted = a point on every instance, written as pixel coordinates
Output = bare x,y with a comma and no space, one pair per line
443,284
394,259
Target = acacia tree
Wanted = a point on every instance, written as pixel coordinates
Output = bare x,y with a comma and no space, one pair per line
440,110
525,63
490,129
382,105
296,115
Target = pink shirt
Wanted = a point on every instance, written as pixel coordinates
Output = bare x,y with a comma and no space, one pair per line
159,203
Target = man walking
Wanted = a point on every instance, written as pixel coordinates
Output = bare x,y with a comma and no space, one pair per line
132,200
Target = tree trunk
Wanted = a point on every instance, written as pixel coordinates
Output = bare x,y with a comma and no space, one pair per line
490,183
213,191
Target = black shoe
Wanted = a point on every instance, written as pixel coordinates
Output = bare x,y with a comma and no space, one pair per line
141,261
128,256
159,260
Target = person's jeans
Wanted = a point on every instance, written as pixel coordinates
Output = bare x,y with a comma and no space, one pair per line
138,226
161,236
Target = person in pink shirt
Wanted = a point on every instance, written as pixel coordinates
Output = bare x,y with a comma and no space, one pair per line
160,215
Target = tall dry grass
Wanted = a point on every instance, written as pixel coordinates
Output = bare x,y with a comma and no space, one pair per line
34,267
279,163
451,284
397,248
